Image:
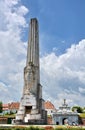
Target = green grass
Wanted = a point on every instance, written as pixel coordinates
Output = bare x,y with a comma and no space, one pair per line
82,115
8,116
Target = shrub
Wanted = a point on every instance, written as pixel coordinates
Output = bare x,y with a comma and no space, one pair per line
35,128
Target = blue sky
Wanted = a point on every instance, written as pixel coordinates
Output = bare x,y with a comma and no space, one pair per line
62,48
61,20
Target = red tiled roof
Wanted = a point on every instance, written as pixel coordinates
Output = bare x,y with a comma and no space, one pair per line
5,106
49,105
14,105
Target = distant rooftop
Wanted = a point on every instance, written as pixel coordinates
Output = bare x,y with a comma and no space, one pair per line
49,105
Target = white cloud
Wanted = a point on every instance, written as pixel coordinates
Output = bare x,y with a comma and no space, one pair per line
12,49
82,90
22,10
64,76
61,76
55,49
11,3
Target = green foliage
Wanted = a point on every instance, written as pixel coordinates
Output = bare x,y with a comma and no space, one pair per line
83,109
38,128
21,128
1,107
6,113
9,114
34,128
78,108
13,112
82,115
69,129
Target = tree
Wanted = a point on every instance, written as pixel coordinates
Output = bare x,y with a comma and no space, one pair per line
78,108
1,107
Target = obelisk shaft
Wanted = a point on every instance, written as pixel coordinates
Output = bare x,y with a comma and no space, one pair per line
33,43
31,71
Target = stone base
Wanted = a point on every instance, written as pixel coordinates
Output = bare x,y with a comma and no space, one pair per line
28,112
30,122
17,122
34,118
36,122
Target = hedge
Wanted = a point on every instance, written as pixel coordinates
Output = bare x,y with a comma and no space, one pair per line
43,128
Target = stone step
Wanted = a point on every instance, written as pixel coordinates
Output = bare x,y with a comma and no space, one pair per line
34,116
26,119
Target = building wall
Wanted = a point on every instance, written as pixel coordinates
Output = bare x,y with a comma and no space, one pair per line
3,120
50,111
60,119
83,121
49,120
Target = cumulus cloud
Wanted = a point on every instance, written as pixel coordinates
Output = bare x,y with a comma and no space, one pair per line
12,48
64,76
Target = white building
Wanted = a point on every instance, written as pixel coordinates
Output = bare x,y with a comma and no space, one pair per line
65,116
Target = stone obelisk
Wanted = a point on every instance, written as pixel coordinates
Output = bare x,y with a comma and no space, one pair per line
31,108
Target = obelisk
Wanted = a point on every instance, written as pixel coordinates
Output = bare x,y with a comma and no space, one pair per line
33,43
32,78
31,108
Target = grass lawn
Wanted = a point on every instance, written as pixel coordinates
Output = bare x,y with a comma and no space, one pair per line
82,115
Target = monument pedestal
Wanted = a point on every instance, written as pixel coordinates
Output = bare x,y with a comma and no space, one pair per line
28,112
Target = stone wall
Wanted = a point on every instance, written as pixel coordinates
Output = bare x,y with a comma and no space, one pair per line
49,120
6,120
83,121
3,120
